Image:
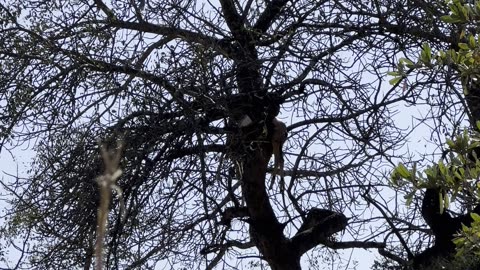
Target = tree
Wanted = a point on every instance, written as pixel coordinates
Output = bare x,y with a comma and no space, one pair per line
455,176
192,88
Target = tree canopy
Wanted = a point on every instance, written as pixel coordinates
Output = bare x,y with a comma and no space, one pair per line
192,89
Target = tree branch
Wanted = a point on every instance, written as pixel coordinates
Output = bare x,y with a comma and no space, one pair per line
271,11
353,244
219,45
105,9
319,225
389,221
233,19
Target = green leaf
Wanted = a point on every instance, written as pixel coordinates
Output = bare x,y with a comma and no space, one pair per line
431,174
458,18
446,202
394,179
463,12
442,54
450,19
395,80
458,241
394,73
462,34
414,174
443,169
426,54
471,41
409,197
440,199
475,217
451,144
407,62
449,179
457,174
474,156
463,46
464,81
403,171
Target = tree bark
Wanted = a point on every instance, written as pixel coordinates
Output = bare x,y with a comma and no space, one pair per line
473,103
265,230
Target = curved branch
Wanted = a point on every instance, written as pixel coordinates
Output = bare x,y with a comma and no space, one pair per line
392,256
390,223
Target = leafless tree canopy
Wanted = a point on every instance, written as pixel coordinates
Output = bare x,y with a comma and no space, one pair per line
174,80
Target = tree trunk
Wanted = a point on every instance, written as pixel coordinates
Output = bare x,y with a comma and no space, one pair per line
473,103
265,230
